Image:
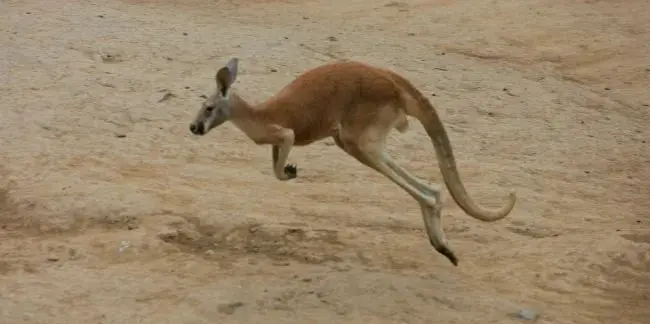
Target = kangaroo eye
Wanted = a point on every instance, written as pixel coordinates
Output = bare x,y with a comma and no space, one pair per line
209,109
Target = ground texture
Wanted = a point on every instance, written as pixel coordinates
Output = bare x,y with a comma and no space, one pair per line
111,212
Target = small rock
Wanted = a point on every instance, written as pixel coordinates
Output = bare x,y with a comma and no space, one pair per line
29,13
273,70
123,246
527,314
203,96
608,89
230,308
433,95
100,16
305,18
281,263
73,254
332,39
306,280
187,87
184,34
411,34
53,259
120,135
166,96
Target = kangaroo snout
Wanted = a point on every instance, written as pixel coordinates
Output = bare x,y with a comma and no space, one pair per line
197,129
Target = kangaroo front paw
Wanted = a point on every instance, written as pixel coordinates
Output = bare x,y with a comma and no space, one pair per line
291,171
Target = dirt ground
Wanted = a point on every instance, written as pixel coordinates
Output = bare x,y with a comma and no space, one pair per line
112,212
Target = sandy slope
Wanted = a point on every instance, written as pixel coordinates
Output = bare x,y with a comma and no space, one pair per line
113,213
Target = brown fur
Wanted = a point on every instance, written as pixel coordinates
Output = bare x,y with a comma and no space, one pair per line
357,105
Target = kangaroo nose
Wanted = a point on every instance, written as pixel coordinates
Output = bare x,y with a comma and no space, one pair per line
196,128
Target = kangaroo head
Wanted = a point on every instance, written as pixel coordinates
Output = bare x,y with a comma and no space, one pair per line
215,110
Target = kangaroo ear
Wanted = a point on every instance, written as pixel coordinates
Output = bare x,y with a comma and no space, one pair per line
226,76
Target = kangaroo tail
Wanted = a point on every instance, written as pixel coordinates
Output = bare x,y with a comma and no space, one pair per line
427,115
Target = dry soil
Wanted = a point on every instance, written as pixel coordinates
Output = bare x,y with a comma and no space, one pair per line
112,212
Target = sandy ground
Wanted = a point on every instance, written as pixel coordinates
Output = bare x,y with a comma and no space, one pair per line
111,212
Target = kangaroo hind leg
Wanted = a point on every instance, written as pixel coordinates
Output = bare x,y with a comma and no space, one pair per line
369,149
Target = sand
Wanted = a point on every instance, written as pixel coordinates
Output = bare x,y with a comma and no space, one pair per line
112,212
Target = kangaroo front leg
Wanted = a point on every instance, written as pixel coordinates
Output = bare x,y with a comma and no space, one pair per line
280,153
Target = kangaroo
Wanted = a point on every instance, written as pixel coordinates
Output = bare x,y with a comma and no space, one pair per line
357,105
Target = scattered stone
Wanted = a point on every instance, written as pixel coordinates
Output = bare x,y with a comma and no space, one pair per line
433,94
281,263
230,308
73,254
332,39
168,95
123,246
273,70
608,89
100,16
120,135
53,259
411,34
527,314
184,34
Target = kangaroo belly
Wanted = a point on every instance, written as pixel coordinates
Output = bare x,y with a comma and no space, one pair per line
307,133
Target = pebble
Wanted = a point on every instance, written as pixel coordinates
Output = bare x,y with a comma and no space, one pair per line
527,314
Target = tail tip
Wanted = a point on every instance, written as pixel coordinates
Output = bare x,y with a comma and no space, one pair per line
512,199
